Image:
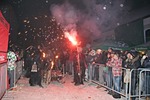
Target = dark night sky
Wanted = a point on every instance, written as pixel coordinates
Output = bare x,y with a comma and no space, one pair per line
32,22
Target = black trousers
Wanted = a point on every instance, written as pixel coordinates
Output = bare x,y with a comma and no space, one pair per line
79,77
35,79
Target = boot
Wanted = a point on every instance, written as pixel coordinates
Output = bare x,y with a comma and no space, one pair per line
116,95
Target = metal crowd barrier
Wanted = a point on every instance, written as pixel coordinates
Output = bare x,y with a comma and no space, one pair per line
3,76
134,82
144,80
109,86
142,83
132,88
3,79
18,70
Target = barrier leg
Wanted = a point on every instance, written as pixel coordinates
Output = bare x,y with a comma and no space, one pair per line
101,79
140,83
90,73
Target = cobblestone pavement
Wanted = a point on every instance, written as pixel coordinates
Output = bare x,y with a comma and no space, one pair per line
57,91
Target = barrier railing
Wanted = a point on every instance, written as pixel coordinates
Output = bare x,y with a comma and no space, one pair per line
3,79
134,83
18,70
108,80
3,76
131,83
144,80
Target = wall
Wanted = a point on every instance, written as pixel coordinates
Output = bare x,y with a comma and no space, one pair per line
131,33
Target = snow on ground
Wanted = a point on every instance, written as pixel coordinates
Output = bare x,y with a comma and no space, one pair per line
57,91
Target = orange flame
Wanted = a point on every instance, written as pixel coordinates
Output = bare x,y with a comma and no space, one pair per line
44,55
71,38
56,56
52,65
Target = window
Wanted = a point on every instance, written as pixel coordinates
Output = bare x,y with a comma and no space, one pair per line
147,35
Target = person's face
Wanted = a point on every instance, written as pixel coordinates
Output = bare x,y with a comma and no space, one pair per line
99,52
115,56
109,50
112,55
129,56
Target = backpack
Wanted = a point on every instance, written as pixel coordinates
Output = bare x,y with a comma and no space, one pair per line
34,67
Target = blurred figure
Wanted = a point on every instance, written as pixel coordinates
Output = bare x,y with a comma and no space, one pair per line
71,72
133,62
109,75
116,64
63,60
89,60
28,61
11,68
35,77
79,67
100,59
146,64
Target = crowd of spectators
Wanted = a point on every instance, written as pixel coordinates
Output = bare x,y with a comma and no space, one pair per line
108,65
104,66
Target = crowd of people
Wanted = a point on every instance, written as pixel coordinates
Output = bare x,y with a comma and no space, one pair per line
107,68
111,68
104,66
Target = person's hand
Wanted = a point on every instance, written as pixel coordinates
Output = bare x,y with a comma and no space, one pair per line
93,62
144,56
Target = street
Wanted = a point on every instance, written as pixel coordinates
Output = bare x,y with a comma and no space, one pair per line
57,91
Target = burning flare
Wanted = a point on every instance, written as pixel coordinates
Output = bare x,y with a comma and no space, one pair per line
56,56
44,55
71,38
52,65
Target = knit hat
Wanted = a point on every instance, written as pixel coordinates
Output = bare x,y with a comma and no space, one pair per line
133,53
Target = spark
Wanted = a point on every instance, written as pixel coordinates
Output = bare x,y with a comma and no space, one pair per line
118,24
121,5
46,1
28,21
104,7
25,21
35,18
19,33
26,31
45,15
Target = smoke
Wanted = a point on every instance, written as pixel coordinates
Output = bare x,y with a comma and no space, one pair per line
66,15
90,18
